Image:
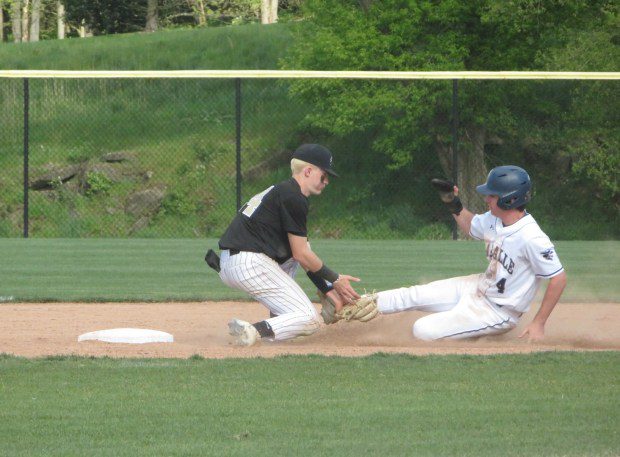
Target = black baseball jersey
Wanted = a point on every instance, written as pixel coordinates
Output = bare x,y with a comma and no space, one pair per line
264,222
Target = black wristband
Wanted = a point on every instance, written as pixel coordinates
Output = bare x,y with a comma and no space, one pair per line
319,282
455,206
327,274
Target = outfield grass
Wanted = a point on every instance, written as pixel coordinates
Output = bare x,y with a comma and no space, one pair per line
543,404
174,269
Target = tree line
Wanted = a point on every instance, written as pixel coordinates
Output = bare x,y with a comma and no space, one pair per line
566,129
34,20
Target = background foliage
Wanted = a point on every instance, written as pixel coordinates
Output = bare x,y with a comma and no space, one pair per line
390,137
566,133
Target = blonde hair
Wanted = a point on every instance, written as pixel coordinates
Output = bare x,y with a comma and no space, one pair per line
298,165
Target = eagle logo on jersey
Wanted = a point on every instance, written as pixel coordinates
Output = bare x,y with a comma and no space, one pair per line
547,254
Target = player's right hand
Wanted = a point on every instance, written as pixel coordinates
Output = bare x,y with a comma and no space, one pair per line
344,288
534,332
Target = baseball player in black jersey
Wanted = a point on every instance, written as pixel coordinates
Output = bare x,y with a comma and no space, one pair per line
267,241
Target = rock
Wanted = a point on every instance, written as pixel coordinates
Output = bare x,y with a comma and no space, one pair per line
113,172
274,161
145,202
141,223
116,157
62,174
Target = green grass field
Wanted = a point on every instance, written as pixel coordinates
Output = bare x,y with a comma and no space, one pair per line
545,404
548,404
164,270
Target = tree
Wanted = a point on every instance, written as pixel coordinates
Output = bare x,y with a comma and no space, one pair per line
60,20
589,127
31,20
406,120
151,16
16,20
198,7
269,11
35,19
98,17
1,21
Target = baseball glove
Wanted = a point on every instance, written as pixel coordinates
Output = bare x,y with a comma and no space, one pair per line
446,193
328,309
362,309
445,189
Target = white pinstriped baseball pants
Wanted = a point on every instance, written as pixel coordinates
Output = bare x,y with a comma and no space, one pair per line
459,312
274,286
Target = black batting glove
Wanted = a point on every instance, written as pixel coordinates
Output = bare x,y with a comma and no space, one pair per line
446,193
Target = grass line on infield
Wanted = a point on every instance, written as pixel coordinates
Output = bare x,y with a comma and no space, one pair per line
539,404
174,270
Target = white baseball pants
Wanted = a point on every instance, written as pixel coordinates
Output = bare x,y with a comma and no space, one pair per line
459,310
274,286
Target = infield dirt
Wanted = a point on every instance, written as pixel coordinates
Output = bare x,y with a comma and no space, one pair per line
34,330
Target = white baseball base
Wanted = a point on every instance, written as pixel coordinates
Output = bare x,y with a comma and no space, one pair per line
128,335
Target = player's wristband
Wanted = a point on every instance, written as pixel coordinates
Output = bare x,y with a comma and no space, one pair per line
455,206
319,282
327,274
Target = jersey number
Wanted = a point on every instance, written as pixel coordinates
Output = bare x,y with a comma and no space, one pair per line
501,285
254,203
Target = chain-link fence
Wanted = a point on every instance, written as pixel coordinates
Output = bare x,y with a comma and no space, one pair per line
176,157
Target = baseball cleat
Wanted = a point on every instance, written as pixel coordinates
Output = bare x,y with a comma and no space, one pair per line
245,333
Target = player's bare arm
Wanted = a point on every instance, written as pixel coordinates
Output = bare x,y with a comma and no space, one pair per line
312,263
535,331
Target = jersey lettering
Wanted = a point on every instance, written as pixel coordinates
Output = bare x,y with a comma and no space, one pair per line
501,285
497,253
251,206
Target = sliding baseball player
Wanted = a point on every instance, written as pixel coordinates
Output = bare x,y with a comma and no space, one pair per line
520,257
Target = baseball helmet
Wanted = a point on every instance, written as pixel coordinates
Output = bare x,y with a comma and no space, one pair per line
511,183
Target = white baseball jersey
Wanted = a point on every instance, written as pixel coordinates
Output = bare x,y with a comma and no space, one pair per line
520,256
490,303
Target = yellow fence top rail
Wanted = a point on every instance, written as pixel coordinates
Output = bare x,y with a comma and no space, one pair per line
294,74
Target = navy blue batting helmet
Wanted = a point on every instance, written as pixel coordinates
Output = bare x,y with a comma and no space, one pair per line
511,183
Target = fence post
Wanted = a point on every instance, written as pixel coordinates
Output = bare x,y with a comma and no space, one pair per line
455,144
238,139
26,142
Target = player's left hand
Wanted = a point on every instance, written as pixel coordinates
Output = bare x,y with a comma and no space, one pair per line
344,288
336,299
534,331
331,304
